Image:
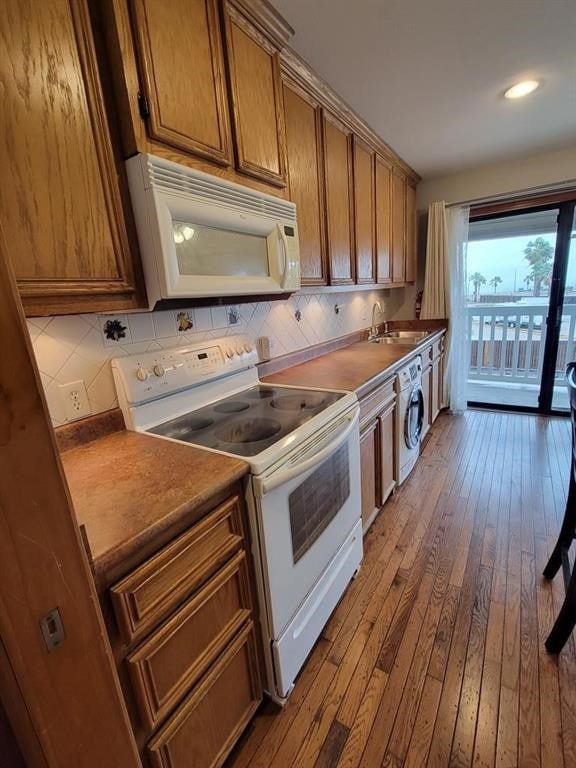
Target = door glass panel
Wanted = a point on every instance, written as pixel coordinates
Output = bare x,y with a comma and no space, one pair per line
316,501
509,268
202,250
567,342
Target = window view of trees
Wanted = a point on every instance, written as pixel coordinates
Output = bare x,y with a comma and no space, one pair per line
518,267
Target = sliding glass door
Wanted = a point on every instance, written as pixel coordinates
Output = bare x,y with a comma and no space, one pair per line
521,284
561,348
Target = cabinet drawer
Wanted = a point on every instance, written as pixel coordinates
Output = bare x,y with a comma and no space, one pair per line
202,731
376,400
180,652
153,590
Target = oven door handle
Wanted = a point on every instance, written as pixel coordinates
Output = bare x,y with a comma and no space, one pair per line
268,484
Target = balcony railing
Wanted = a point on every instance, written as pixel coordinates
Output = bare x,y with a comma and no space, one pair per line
507,342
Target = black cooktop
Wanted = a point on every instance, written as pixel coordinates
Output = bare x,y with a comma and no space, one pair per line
249,422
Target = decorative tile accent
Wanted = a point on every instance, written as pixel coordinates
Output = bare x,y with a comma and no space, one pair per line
75,347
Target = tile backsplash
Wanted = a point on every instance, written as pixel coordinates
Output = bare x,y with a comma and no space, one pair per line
80,347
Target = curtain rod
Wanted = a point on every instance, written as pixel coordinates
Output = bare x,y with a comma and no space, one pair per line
518,194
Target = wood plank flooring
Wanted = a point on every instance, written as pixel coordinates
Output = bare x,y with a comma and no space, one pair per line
435,655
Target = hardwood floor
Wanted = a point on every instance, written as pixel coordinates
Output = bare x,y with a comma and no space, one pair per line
435,655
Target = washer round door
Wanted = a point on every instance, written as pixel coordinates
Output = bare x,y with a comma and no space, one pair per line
414,418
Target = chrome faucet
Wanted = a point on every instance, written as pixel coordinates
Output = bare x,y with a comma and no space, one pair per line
373,334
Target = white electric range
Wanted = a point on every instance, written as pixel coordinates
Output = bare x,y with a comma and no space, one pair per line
303,493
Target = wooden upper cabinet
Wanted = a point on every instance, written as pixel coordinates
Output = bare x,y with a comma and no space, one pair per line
398,227
62,204
410,270
383,202
256,93
305,180
364,212
339,209
179,48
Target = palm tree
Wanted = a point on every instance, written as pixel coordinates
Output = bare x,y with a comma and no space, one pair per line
539,254
477,280
495,282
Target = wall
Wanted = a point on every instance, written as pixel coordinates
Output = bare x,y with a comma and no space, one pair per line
544,169
74,347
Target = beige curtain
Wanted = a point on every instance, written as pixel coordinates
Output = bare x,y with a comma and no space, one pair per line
435,299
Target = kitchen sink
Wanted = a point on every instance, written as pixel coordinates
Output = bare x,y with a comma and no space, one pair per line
394,340
401,337
418,335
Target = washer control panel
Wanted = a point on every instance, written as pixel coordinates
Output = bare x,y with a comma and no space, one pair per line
153,374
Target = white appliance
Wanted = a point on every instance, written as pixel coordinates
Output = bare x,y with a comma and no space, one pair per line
303,494
201,235
410,417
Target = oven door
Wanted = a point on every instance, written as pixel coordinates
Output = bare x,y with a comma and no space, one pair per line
306,509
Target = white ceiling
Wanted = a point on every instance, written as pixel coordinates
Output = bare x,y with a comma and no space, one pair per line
428,75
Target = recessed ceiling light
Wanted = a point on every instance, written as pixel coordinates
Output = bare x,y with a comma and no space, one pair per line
521,89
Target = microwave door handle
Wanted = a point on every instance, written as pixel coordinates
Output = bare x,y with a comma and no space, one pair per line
278,478
284,262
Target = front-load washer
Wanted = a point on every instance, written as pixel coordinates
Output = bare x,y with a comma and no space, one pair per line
409,418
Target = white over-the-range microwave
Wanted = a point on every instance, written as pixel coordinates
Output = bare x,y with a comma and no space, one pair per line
203,236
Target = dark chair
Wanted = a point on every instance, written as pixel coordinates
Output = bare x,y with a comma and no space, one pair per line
566,619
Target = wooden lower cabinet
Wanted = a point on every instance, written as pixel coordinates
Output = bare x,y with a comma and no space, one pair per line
441,398
203,730
427,421
185,643
435,388
387,429
432,382
377,449
369,439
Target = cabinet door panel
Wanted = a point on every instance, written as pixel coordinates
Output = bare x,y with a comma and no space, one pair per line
338,174
368,467
426,395
62,212
184,83
208,723
383,222
304,152
410,270
435,391
364,212
398,227
256,91
387,440
167,664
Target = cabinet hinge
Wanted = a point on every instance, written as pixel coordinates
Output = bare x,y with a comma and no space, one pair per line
143,106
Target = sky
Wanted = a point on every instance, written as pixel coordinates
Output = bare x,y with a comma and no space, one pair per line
505,258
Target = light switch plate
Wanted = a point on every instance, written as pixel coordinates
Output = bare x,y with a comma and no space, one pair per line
75,400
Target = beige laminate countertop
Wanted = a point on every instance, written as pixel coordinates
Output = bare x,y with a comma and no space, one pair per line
359,367
133,492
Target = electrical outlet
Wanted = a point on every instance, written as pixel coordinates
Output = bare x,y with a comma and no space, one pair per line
75,400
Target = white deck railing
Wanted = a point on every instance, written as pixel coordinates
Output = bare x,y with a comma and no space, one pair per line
507,342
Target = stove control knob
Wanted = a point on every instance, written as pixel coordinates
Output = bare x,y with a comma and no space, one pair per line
159,370
247,347
229,352
142,374
239,349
